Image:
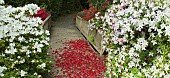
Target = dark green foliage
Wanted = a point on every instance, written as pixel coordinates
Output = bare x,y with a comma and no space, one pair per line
15,3
84,4
53,6
71,5
97,3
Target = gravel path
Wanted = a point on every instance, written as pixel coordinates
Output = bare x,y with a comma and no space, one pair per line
63,30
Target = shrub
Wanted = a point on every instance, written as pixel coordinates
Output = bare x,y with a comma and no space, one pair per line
136,36
53,6
23,43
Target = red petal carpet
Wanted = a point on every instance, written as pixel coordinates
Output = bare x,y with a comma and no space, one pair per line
77,60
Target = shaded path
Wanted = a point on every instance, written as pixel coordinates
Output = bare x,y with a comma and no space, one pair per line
63,30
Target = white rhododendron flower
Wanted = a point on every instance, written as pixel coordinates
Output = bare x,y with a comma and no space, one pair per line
1,71
23,73
43,65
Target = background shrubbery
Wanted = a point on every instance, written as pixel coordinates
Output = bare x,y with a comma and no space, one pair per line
53,6
59,6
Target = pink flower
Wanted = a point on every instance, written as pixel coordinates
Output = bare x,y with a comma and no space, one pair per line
120,41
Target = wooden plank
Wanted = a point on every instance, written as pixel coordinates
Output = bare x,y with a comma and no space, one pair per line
85,29
98,42
82,25
45,26
79,22
47,23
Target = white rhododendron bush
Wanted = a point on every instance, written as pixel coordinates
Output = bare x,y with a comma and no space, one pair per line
23,43
136,35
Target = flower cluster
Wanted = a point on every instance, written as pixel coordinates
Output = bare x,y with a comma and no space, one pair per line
136,36
78,60
23,43
90,13
42,14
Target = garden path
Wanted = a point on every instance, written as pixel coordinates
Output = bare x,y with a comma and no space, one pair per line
72,54
64,29
61,31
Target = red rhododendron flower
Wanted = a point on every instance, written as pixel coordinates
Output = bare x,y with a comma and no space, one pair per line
86,12
42,14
